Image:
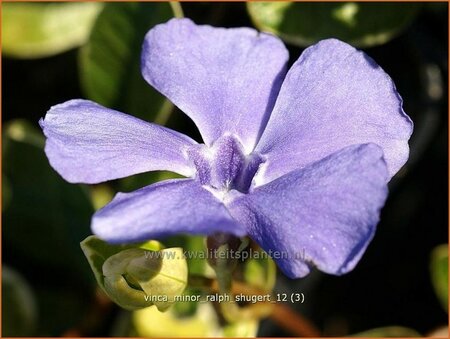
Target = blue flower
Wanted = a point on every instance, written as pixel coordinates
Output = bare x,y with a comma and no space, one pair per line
297,160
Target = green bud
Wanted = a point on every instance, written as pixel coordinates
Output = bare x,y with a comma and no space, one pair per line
136,275
136,278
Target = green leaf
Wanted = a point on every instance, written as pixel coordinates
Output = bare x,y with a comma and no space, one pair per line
388,332
361,24
34,30
20,316
110,62
439,273
47,217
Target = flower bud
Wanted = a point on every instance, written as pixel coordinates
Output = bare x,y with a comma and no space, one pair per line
136,278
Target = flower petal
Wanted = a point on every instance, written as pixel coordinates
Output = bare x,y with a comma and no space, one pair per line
334,96
162,209
89,143
324,214
226,80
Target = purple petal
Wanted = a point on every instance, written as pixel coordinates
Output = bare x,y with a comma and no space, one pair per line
162,209
226,80
89,143
333,96
324,214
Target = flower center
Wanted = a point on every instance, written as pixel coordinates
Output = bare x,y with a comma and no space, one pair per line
224,166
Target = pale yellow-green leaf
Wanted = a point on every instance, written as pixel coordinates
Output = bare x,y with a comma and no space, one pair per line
247,328
149,322
34,30
204,322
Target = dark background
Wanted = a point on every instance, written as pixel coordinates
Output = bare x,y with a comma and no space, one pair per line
391,285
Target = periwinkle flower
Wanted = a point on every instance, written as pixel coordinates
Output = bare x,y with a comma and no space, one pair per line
299,161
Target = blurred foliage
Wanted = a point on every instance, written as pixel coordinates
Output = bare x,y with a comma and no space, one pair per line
260,273
45,218
50,239
101,195
67,301
151,323
440,332
35,30
6,192
388,332
42,232
361,24
137,181
196,244
246,328
204,323
109,66
18,305
439,273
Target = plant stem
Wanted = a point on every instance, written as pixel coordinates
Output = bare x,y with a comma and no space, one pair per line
281,314
293,322
177,9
